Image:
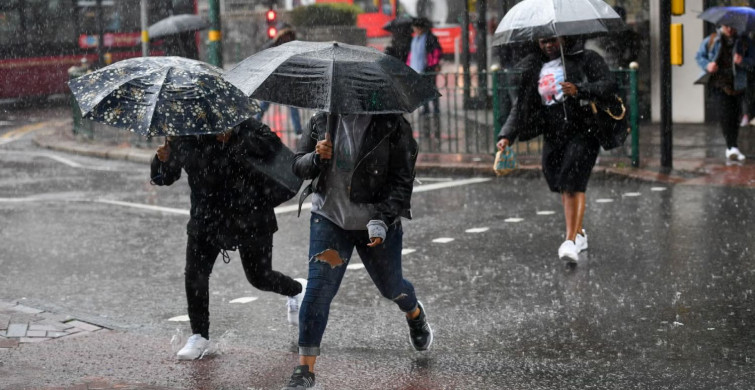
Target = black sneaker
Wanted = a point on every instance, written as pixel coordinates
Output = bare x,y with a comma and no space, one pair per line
420,333
301,379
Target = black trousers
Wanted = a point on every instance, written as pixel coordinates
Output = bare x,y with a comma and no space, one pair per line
256,258
729,115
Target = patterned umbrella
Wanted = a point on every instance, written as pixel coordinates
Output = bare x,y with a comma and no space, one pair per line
161,96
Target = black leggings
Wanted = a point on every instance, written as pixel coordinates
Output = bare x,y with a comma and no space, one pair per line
729,115
256,258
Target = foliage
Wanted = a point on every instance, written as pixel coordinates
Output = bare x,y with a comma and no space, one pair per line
325,14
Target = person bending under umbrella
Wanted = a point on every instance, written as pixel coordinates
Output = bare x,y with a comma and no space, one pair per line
553,97
231,208
362,183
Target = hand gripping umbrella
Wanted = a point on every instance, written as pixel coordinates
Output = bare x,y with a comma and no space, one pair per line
531,20
333,77
162,96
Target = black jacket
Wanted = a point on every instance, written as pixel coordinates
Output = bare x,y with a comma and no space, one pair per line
383,174
585,68
230,201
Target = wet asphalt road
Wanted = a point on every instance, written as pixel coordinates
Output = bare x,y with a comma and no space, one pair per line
661,300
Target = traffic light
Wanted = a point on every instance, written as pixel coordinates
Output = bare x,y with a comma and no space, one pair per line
271,16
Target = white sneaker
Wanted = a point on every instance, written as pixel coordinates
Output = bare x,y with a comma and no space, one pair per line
734,154
581,241
293,303
568,251
195,347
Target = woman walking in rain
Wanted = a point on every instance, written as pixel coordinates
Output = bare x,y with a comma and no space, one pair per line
554,97
231,208
363,179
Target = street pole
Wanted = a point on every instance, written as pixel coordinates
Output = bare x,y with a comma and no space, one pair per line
665,81
215,46
100,35
465,53
145,28
482,50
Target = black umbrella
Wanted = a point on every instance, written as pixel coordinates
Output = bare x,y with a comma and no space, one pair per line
177,24
740,18
399,24
159,96
332,77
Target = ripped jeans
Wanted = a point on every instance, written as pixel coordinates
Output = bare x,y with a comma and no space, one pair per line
326,270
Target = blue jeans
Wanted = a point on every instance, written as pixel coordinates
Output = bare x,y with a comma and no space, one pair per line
383,264
295,119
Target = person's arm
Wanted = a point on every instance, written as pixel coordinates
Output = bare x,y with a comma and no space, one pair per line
600,84
165,168
306,163
403,156
703,56
257,140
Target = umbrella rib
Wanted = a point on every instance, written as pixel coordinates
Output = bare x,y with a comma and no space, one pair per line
152,107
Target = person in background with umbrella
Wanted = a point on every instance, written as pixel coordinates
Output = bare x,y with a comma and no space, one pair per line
231,208
725,59
401,37
285,33
424,56
546,98
363,178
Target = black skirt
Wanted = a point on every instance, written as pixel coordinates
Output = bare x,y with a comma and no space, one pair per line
569,153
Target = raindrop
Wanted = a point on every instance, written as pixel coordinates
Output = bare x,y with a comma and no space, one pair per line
443,240
183,318
355,266
603,200
513,220
632,194
658,189
177,341
478,230
546,212
407,251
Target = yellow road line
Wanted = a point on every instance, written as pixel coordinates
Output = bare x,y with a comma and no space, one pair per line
19,132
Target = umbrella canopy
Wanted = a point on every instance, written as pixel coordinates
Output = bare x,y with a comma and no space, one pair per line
177,24
332,77
399,24
530,20
157,96
740,18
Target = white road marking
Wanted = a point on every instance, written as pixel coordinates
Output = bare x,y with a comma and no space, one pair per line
546,212
513,220
477,230
604,200
183,318
456,183
407,251
355,266
63,160
243,300
658,189
443,240
632,194
144,206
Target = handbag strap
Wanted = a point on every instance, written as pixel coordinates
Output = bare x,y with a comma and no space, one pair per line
617,117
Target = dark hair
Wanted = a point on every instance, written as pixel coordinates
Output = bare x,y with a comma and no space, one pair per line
422,22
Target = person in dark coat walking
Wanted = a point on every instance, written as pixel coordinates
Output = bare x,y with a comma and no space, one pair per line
362,178
553,99
231,208
725,59
424,56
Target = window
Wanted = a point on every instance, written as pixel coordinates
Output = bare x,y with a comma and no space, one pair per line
10,23
49,21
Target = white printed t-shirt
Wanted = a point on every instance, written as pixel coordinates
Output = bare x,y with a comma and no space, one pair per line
548,85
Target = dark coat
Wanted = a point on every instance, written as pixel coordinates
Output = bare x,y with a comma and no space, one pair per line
383,174
585,68
230,201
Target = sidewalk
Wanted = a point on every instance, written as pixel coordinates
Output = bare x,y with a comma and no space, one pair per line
698,156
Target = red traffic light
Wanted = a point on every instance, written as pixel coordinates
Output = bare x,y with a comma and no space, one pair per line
271,31
271,15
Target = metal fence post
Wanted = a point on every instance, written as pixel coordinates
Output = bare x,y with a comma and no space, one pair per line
496,103
634,114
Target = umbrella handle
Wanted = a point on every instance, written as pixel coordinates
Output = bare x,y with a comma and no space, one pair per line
563,63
